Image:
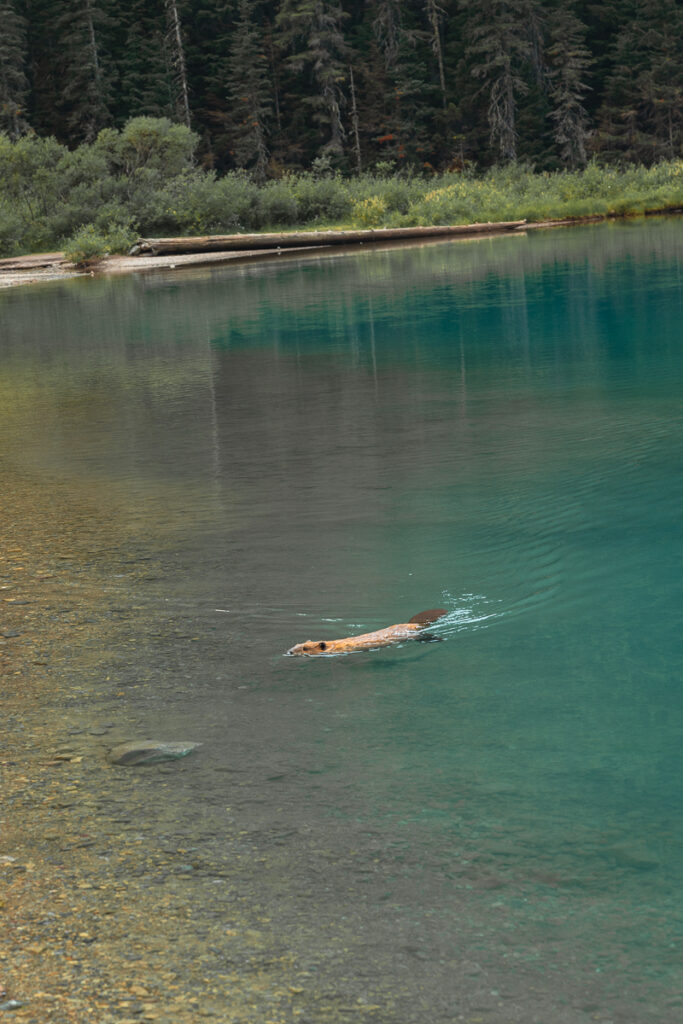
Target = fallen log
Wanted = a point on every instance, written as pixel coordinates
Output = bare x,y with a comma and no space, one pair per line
296,239
35,261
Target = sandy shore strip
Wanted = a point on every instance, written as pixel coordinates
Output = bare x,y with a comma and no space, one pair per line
53,266
37,267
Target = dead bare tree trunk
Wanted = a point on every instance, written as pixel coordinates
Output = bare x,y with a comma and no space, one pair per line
354,122
434,15
300,239
178,50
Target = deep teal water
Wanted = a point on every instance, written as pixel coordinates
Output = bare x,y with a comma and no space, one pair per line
327,446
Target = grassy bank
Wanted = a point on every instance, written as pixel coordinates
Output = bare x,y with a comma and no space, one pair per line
142,181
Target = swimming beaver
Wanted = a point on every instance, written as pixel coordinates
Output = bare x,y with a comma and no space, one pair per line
370,641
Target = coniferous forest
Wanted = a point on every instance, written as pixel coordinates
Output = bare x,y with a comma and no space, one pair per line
276,85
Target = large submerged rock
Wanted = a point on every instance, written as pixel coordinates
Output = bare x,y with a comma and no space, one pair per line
140,752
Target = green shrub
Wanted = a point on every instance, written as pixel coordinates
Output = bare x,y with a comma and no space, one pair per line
120,237
147,143
320,199
237,198
277,205
399,194
86,246
29,175
198,203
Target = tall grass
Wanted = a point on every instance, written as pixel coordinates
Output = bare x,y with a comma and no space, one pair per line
516,193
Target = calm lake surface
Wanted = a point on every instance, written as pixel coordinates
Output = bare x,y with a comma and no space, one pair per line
319,447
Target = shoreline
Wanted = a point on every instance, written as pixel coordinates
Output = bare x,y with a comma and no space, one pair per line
36,268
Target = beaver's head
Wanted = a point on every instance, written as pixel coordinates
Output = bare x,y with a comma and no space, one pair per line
310,648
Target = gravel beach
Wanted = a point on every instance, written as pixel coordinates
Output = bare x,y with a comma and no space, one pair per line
97,899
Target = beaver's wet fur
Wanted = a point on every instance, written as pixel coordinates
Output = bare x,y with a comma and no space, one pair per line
410,630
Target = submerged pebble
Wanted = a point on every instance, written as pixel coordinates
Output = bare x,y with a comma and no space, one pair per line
633,855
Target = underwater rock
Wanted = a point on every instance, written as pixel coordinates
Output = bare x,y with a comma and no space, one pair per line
633,855
149,752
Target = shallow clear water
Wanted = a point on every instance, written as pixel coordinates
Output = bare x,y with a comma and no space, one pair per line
326,446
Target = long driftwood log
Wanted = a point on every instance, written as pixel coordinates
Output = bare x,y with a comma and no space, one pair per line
35,261
295,239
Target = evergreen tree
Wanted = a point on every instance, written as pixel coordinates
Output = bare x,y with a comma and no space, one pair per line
13,79
398,109
86,90
250,95
642,113
388,30
312,32
498,50
568,61
145,82
208,30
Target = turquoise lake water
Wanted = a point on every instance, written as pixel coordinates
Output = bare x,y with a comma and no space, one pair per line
319,447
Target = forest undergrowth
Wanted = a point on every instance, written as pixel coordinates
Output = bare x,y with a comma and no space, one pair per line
142,180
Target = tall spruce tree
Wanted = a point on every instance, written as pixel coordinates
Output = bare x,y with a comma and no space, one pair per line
641,117
13,78
397,91
145,85
568,61
311,30
250,94
498,52
82,65
208,30
387,25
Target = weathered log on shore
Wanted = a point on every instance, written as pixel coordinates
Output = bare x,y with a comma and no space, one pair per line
35,261
296,239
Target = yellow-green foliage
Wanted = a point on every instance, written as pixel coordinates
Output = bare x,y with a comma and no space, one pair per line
370,212
514,193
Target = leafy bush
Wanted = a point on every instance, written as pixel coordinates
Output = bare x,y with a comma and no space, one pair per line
28,174
197,203
321,199
86,246
147,144
277,205
91,243
399,193
119,236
